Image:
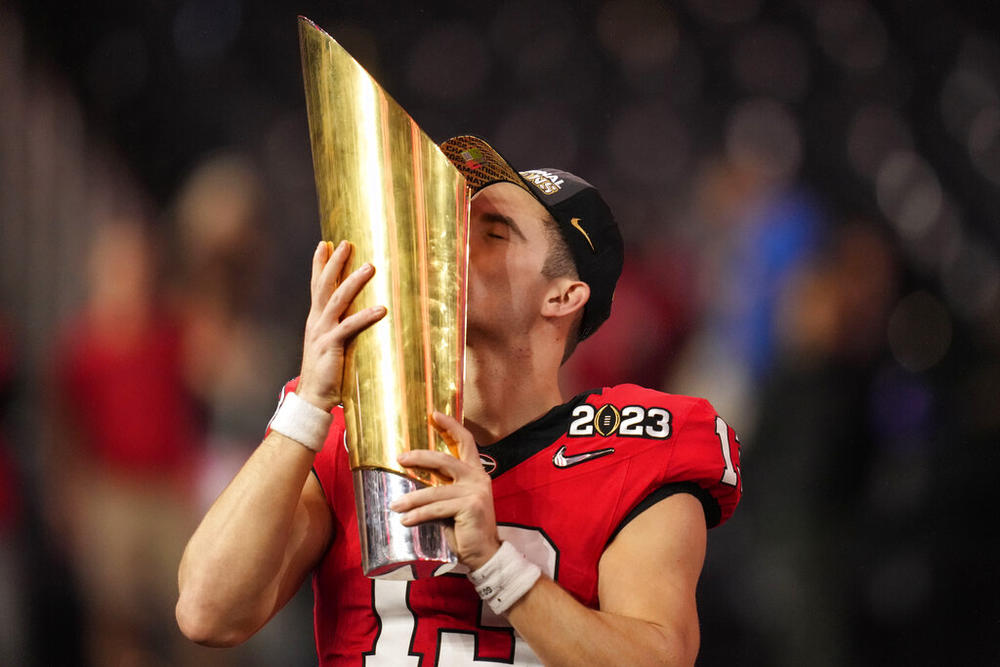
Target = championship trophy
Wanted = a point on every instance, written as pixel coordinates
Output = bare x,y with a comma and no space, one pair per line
384,186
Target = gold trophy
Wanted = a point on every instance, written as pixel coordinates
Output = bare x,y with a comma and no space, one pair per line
387,188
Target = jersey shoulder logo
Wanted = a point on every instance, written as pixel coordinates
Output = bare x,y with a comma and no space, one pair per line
562,460
630,421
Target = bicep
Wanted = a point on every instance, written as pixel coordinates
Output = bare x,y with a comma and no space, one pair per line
311,532
651,569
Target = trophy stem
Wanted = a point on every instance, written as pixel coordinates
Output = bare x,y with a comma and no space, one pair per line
389,549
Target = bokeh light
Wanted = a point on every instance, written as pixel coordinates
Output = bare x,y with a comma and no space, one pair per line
909,193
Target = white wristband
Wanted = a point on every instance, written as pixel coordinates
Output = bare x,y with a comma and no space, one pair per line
301,421
505,578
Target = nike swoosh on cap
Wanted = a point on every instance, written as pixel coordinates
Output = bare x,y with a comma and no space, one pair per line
561,460
576,223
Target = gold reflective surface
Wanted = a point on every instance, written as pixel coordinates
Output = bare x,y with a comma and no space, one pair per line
387,188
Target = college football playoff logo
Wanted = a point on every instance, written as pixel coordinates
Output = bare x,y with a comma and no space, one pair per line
630,421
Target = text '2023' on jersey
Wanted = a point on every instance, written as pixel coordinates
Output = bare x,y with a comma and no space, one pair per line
563,486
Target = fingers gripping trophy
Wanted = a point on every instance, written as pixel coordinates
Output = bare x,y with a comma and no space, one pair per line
386,188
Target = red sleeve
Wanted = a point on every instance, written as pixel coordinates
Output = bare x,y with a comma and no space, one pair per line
700,456
707,452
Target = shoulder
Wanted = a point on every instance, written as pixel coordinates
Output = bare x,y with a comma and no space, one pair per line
632,410
680,443
633,393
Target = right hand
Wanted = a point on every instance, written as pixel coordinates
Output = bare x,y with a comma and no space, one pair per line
327,330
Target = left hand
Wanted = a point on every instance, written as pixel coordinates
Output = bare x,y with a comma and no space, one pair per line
468,500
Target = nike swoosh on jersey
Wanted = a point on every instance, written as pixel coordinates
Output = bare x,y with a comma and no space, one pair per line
561,460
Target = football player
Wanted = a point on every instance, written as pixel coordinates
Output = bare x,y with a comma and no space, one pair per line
579,525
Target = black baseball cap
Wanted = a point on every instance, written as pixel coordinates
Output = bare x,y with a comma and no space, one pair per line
585,221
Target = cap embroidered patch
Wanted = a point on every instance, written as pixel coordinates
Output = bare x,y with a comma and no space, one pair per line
473,158
547,182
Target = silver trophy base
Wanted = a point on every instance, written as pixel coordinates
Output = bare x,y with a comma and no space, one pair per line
389,549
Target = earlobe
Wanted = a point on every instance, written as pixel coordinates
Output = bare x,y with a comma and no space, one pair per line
566,298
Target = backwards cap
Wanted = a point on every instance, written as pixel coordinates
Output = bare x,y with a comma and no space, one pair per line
585,221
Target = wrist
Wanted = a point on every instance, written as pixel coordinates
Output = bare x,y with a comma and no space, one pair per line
476,562
505,578
317,399
302,421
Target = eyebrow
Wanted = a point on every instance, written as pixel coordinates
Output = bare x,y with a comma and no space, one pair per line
492,216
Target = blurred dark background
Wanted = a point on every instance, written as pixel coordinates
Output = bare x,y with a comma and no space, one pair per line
810,194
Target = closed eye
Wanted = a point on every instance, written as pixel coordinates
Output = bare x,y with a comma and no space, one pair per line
498,226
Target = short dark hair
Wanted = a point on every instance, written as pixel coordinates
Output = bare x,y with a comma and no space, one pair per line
559,263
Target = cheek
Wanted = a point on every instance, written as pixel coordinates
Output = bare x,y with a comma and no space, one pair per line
477,283
487,268
489,289
495,277
484,283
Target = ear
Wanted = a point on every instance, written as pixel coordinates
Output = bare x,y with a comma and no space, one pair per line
565,297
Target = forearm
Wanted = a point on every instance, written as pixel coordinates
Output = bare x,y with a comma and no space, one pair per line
230,573
562,631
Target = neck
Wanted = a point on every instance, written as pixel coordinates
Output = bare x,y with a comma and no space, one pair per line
508,386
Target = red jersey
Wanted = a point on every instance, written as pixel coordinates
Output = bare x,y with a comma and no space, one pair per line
563,486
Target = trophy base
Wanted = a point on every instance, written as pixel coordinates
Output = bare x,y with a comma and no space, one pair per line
390,550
